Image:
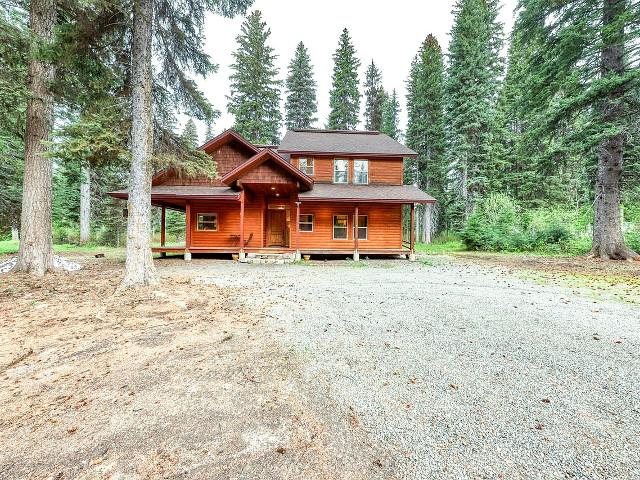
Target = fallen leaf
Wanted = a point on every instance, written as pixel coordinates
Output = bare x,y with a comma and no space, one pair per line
454,386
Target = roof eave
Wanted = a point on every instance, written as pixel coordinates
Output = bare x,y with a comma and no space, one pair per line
348,154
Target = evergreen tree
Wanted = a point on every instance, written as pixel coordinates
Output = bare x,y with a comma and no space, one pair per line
426,126
190,134
301,104
255,91
471,91
208,134
391,115
581,87
344,97
374,98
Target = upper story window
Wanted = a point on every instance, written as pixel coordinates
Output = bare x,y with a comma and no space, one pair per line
306,165
340,170
361,171
207,221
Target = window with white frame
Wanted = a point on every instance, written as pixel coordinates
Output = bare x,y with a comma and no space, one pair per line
340,170
306,223
305,165
208,221
340,227
361,171
363,229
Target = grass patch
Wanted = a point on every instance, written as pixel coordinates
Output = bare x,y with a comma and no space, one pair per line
441,247
7,247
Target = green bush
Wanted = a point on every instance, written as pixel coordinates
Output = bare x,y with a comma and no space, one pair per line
499,224
65,234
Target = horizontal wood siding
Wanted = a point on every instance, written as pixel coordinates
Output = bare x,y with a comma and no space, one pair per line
384,226
382,171
228,224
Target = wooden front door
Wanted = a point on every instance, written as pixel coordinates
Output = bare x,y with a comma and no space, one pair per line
277,228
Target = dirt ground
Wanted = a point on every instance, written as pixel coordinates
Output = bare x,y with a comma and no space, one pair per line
174,381
184,380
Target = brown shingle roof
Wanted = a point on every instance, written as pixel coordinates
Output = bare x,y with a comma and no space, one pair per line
342,142
183,190
363,193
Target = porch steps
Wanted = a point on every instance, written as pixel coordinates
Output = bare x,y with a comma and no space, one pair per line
270,258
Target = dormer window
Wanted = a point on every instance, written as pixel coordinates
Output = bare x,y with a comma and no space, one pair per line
361,172
306,165
340,170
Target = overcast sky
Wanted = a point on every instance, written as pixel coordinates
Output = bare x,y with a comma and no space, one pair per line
390,33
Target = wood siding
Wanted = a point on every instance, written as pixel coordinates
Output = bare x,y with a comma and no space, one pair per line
382,171
384,224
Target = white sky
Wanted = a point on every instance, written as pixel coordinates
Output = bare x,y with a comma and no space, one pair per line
390,33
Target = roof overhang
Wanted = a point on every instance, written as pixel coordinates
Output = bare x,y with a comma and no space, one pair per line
346,154
259,159
224,138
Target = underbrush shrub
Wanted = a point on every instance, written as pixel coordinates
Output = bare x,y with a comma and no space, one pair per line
500,224
65,234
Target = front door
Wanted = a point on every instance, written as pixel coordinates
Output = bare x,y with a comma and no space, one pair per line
277,228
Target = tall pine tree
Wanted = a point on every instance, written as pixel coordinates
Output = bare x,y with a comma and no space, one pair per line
344,97
391,115
475,67
374,98
301,104
426,126
581,85
255,91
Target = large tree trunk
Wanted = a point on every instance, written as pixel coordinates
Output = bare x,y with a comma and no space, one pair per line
85,205
607,228
427,223
140,269
35,255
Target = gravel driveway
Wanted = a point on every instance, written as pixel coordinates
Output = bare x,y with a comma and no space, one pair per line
460,371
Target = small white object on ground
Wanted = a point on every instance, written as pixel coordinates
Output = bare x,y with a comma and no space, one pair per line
58,262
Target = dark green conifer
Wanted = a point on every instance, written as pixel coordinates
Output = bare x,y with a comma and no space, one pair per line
374,98
344,98
255,91
301,104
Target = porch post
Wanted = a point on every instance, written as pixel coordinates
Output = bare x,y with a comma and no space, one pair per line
163,226
356,255
412,254
241,253
187,253
297,257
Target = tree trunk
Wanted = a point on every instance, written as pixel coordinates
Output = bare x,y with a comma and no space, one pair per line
427,223
140,269
608,242
35,255
85,205
15,233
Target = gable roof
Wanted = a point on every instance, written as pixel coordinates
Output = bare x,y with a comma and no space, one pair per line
259,159
344,142
366,193
224,138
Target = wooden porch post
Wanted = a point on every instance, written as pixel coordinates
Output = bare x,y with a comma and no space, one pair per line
298,230
163,225
187,253
413,233
356,255
241,253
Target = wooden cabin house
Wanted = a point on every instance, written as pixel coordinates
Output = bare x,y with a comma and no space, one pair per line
318,192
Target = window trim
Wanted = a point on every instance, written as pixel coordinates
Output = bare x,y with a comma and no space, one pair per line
198,229
333,228
354,171
307,223
313,165
346,172
366,228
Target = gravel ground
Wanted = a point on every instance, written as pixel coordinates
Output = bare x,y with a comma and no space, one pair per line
459,371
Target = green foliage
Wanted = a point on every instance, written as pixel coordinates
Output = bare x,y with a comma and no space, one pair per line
375,97
475,67
255,91
344,97
301,104
391,116
500,224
